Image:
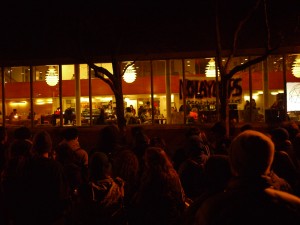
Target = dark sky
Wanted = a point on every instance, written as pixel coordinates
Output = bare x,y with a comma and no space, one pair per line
48,29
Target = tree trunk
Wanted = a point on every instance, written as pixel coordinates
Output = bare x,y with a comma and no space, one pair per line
120,110
224,99
117,81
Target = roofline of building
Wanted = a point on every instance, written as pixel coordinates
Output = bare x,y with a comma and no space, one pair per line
141,57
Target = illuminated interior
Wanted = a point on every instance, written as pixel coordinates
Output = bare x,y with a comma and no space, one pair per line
158,85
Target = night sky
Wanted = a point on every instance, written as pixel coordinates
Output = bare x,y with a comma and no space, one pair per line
49,29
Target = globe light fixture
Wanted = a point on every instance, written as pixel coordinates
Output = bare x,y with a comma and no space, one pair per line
130,74
296,67
210,70
52,76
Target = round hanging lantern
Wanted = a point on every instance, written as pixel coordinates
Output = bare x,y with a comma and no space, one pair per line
52,76
211,68
296,67
130,74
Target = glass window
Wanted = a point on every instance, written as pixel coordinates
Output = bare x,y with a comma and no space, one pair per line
75,93
137,94
176,87
247,92
103,101
161,94
17,96
275,92
293,86
1,103
46,95
199,90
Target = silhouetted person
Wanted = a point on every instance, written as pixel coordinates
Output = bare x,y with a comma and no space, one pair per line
246,126
128,114
76,177
294,136
191,170
284,163
12,177
140,142
250,197
3,147
70,136
110,140
13,115
3,161
69,116
160,198
216,176
181,153
23,133
102,198
219,143
44,188
101,117
126,166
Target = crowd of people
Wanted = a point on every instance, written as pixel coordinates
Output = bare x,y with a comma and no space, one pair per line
251,178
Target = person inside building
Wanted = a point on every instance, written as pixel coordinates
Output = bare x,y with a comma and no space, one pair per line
13,115
278,104
133,110
102,116
128,115
69,116
193,116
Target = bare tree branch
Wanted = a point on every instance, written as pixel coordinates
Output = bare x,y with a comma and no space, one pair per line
102,72
238,30
219,46
250,63
242,24
267,26
127,65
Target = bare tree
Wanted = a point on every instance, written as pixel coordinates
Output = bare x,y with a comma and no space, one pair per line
114,81
90,25
225,73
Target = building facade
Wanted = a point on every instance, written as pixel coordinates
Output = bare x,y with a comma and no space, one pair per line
46,81
162,91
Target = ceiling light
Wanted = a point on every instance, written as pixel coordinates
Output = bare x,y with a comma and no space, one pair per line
51,76
296,67
210,70
130,74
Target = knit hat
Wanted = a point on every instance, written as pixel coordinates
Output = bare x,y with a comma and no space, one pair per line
251,154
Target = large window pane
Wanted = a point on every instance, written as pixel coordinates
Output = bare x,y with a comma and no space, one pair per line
103,101
161,94
248,92
275,93
1,103
293,86
138,93
46,94
17,93
199,90
176,78
75,93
